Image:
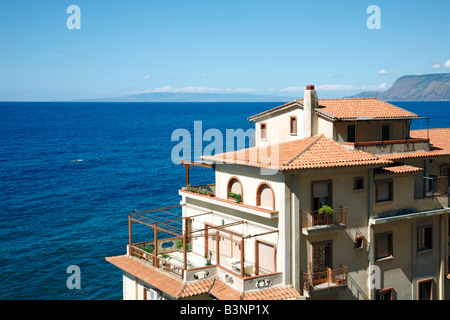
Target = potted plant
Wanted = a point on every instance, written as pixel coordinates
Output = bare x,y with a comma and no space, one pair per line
236,197
148,248
326,209
208,259
179,246
337,280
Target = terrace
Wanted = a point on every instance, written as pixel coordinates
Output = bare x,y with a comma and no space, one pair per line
190,249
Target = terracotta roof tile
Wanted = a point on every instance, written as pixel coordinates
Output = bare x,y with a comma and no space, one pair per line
350,108
361,108
439,145
308,153
272,293
153,276
398,170
176,288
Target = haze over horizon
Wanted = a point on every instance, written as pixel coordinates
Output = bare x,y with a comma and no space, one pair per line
256,47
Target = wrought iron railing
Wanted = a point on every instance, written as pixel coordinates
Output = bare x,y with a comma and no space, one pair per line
325,279
314,218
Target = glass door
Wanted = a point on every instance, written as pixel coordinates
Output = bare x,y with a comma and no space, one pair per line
321,263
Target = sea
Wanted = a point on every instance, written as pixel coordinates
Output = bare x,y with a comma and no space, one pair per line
71,173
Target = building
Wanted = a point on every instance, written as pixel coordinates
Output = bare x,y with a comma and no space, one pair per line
336,199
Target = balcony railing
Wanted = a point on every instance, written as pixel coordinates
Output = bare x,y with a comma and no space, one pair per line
311,219
156,261
436,186
325,280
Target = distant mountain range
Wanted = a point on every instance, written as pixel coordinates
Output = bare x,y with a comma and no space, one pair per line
428,87
192,97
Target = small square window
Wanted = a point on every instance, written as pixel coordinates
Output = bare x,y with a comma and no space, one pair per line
358,183
384,190
263,131
359,242
385,294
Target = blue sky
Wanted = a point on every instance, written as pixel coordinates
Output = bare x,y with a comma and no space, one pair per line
261,47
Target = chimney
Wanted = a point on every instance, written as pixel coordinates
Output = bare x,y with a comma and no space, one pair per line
309,103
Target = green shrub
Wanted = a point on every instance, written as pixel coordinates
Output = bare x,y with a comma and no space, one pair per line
326,209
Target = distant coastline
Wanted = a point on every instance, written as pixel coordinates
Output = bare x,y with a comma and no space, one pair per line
427,87
192,97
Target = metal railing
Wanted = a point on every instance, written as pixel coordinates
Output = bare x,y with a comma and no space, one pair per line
325,279
436,186
314,218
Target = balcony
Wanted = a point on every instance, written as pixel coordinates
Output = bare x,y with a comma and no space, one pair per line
331,279
390,146
206,193
313,222
197,251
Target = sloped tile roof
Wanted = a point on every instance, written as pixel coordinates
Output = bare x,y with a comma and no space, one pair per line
361,108
153,276
178,289
350,108
272,293
398,169
295,103
439,145
308,153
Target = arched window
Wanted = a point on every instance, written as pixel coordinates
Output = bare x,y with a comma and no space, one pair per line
265,197
235,186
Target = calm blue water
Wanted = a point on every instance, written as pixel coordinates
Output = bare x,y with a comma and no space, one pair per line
55,213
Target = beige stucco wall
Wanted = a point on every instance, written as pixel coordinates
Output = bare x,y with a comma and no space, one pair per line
404,201
371,130
250,179
407,266
278,127
343,252
223,216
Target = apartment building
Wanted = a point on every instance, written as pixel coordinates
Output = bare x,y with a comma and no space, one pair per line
337,199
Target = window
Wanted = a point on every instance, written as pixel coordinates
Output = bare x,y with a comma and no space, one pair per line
385,132
321,194
383,245
235,186
424,238
385,294
293,125
351,133
263,132
445,172
265,197
265,257
359,242
383,190
425,290
358,183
